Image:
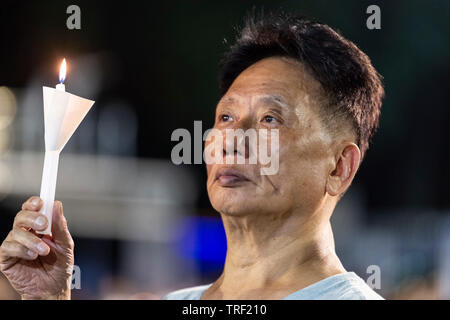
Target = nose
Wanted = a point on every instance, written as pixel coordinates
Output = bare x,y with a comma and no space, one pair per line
239,141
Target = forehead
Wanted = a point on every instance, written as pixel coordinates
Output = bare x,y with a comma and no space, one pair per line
281,79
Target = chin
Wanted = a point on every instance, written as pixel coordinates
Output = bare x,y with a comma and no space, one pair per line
238,202
232,201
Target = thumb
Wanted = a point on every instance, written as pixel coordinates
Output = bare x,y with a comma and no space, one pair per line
60,231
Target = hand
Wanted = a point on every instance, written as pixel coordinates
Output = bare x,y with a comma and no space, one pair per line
38,267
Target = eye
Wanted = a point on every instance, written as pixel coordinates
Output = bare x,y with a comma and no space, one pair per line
225,118
269,119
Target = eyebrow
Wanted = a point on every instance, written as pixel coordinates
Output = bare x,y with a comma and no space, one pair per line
274,98
266,98
227,100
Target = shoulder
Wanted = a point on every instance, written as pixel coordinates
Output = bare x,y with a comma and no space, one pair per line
344,286
356,288
192,293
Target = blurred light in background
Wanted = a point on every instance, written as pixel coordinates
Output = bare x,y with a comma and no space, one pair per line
142,224
7,107
202,239
7,114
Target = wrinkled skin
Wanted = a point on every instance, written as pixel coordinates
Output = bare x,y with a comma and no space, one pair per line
38,274
305,146
278,232
279,237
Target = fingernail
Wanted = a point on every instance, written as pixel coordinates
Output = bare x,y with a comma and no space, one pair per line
57,207
31,253
35,202
40,221
42,247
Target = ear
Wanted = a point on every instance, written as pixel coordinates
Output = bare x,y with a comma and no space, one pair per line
344,171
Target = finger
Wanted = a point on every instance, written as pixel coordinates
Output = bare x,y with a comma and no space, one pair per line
60,230
33,204
12,249
30,219
31,241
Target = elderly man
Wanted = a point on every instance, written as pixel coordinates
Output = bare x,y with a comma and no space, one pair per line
323,96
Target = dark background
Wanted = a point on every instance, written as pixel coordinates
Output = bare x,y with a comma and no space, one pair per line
161,57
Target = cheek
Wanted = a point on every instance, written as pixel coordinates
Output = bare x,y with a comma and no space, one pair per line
208,169
209,164
302,186
303,171
209,177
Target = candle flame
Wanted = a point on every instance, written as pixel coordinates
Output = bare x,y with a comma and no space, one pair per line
62,71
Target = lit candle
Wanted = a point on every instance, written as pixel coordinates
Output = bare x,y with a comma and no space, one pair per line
62,76
63,112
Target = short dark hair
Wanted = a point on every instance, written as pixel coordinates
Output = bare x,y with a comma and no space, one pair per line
352,85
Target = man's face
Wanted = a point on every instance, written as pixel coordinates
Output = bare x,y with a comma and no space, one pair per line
274,93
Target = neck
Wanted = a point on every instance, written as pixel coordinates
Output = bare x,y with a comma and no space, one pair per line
285,250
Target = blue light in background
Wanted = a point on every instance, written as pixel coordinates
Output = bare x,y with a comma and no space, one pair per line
203,239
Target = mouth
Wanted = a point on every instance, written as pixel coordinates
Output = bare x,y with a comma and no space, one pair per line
227,177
